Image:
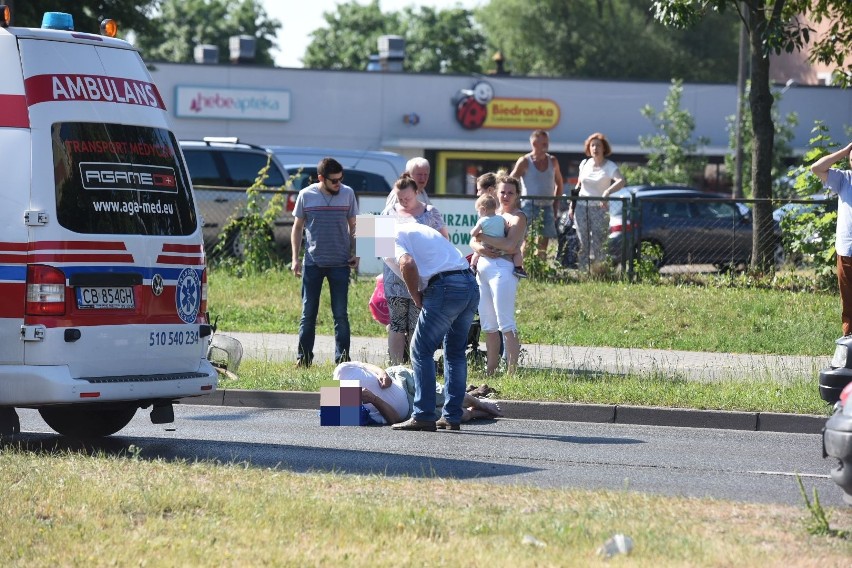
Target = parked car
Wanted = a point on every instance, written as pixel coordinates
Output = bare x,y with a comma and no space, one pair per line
689,226
222,169
834,379
837,442
820,201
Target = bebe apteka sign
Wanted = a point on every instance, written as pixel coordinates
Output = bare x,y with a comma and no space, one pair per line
238,104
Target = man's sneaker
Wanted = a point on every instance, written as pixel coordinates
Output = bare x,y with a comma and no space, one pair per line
520,272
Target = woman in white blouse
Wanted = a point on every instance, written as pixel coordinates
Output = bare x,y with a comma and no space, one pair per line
599,177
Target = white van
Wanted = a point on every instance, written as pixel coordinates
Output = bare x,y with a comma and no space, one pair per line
102,270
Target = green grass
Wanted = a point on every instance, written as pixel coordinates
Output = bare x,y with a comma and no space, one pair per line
686,317
73,509
796,395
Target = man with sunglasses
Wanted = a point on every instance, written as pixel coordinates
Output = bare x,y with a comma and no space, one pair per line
326,212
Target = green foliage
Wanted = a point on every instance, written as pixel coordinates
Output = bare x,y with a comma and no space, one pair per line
781,147
616,39
672,153
129,14
180,25
818,523
812,233
537,268
445,41
246,242
648,262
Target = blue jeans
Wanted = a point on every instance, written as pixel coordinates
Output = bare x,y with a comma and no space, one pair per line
448,307
338,286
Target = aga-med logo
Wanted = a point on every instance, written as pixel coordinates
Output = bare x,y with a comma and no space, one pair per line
188,295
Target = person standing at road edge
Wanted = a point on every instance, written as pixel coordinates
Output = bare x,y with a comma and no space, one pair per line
839,182
326,211
442,285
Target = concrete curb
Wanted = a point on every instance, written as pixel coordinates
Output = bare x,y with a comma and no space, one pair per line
569,412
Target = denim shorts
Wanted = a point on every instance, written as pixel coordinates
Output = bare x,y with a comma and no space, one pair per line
540,208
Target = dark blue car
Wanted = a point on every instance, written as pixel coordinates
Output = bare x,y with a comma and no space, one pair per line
689,226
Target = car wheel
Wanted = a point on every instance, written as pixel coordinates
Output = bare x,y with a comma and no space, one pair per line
88,420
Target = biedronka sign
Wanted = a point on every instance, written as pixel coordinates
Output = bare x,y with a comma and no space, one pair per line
479,108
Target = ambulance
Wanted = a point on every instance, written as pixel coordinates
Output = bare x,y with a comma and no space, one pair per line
103,287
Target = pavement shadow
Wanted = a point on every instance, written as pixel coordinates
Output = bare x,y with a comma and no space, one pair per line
299,459
588,440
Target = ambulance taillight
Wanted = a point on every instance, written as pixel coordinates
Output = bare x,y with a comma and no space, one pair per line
5,15
45,291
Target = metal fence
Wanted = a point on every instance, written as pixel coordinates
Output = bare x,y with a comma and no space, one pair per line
677,234
684,234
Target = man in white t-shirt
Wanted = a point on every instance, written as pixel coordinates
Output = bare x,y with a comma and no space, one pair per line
442,285
840,183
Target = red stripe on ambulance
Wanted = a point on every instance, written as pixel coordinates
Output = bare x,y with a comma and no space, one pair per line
14,112
69,87
76,245
181,248
174,259
65,257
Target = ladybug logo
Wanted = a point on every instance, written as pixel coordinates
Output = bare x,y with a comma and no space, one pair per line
472,105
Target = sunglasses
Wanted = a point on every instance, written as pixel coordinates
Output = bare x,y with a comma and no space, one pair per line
334,181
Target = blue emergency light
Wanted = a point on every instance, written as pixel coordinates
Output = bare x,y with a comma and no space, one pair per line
57,21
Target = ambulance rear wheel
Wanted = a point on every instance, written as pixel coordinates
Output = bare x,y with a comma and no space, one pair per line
87,421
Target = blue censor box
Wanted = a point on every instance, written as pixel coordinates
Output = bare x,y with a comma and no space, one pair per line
340,404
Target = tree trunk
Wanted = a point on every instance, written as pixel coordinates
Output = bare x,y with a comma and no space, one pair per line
760,99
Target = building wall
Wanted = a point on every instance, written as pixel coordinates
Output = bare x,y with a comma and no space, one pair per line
364,110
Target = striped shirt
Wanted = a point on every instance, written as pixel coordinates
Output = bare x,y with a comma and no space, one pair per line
327,239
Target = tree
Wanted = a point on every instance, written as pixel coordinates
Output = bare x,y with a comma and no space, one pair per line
607,39
780,148
183,24
87,14
442,41
772,26
437,41
672,153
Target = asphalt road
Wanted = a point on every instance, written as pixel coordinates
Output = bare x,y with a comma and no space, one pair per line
738,465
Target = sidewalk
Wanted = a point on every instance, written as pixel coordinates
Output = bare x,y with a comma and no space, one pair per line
686,364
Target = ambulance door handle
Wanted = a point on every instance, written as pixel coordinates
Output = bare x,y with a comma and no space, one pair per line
221,200
32,332
35,218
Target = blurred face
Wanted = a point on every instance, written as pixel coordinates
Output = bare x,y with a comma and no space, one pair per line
596,147
332,182
482,189
407,198
420,174
508,194
539,144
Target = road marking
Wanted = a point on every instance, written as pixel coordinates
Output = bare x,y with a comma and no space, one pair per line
792,474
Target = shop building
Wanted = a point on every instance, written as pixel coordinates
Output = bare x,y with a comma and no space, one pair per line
462,124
